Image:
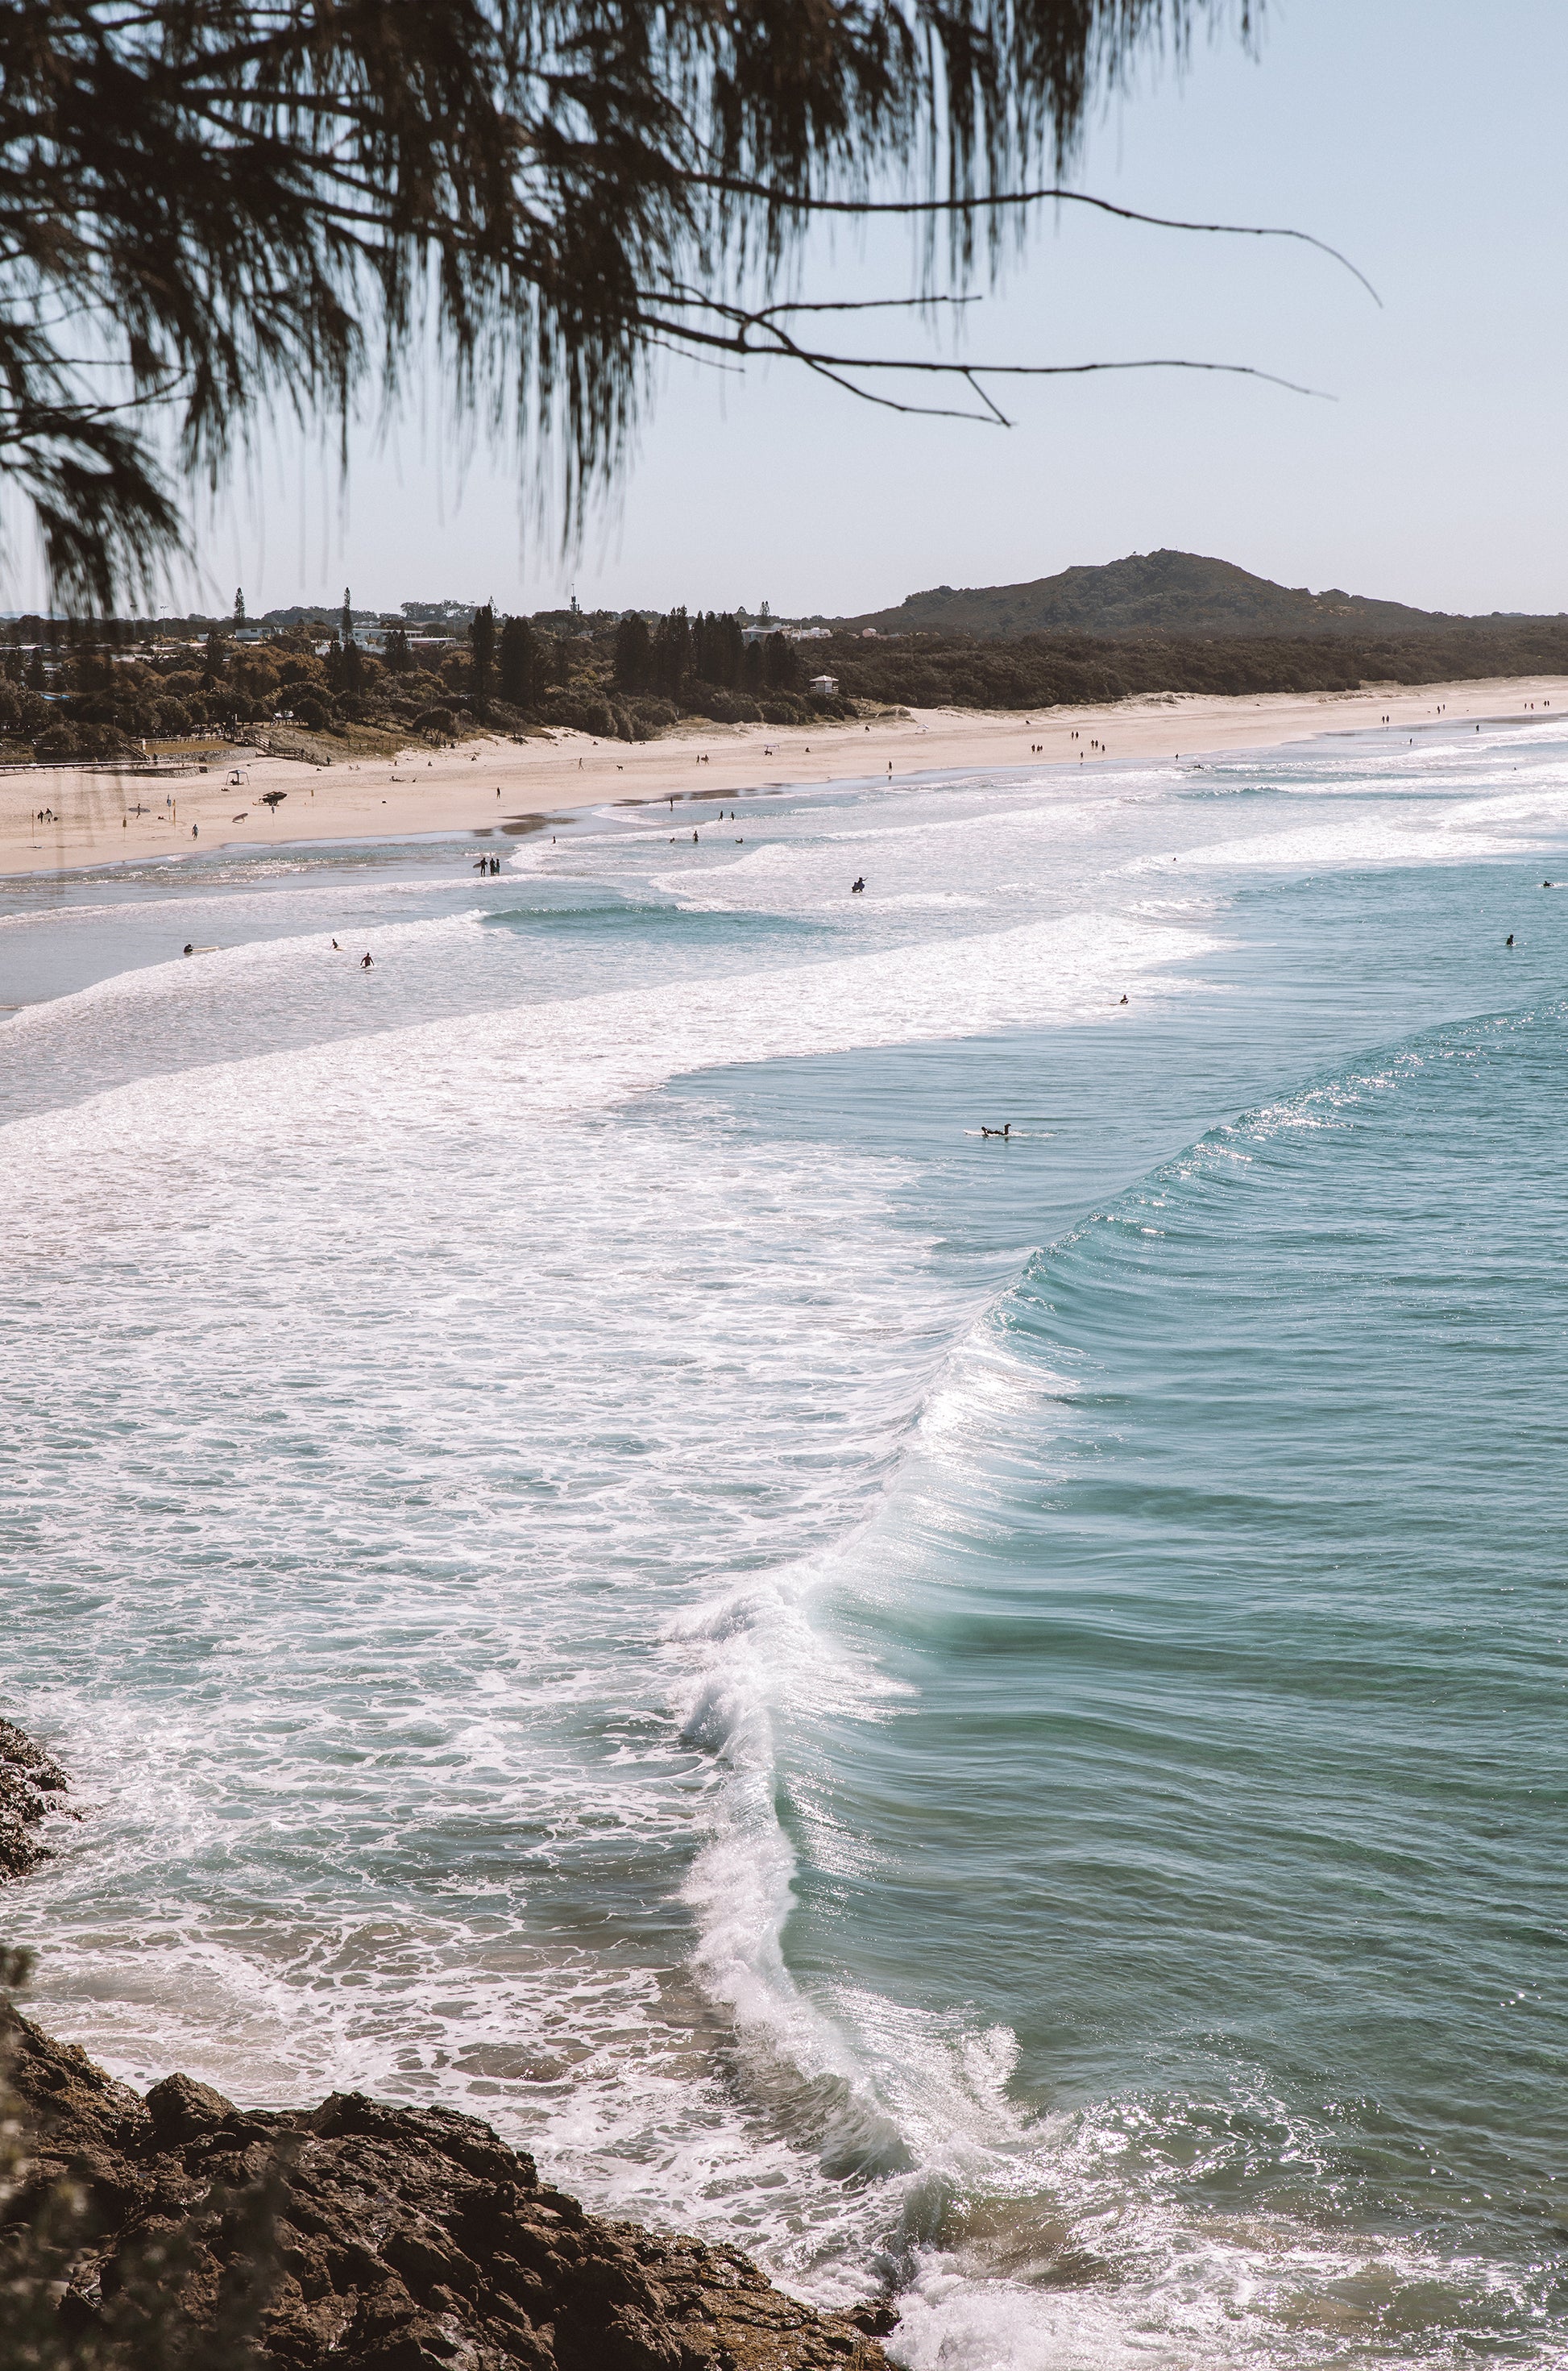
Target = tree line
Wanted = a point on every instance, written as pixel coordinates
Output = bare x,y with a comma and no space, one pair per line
707,649
64,695
1040,671
97,692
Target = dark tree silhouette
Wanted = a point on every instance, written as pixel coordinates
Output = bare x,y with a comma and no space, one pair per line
520,670
214,212
482,643
671,653
633,668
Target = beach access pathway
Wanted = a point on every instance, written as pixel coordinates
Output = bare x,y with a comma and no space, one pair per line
99,816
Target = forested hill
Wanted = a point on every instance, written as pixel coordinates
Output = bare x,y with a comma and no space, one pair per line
1149,593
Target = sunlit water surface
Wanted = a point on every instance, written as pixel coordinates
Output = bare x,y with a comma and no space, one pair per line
984,1718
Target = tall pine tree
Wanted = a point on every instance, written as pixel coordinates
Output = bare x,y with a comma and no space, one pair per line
784,670
519,668
671,653
634,654
481,642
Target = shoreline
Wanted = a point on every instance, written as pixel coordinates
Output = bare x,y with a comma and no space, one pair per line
368,2230
365,2231
100,819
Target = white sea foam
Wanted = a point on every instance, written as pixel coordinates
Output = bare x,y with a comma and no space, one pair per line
454,1476
490,1073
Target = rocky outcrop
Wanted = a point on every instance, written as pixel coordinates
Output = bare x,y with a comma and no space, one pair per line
179,2230
366,2237
29,1780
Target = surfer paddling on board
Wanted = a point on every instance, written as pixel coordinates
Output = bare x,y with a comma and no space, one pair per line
1004,1132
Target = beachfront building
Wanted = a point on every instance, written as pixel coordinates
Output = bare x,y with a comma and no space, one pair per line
825,684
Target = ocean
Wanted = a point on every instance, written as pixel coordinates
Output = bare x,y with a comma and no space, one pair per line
982,1717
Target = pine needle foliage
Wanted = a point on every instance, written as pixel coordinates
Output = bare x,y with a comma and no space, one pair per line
216,210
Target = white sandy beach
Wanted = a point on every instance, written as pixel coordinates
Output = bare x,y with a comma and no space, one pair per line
100,817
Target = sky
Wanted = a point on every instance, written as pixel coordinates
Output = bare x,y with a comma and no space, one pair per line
1421,137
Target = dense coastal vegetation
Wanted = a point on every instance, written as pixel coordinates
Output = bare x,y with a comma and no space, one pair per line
1169,623
101,693
1039,671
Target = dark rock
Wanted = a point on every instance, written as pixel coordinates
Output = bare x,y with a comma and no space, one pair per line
18,1747
357,2237
28,1779
181,2110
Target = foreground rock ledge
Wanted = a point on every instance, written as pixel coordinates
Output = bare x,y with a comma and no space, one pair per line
358,2237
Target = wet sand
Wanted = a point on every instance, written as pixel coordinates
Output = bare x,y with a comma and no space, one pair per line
103,817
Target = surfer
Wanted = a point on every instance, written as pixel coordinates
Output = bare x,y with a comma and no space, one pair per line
1004,1131
1509,940
857,886
367,961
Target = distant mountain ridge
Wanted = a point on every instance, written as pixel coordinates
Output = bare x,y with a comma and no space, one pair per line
1149,593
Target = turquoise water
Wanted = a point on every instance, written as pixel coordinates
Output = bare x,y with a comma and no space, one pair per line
984,1719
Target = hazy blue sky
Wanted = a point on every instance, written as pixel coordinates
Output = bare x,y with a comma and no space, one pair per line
1425,137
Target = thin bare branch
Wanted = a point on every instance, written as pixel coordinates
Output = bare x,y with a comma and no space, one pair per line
999,201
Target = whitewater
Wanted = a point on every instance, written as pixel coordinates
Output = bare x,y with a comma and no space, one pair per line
981,1718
